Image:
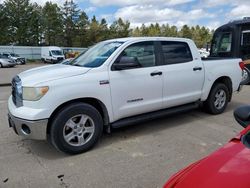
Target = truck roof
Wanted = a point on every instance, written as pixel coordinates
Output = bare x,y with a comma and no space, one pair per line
131,39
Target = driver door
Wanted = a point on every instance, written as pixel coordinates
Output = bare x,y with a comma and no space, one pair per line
137,90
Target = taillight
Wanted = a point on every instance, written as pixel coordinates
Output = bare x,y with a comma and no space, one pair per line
242,65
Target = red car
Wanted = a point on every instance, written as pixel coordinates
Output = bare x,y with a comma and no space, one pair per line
228,167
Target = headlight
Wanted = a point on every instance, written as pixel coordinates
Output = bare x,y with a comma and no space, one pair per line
34,93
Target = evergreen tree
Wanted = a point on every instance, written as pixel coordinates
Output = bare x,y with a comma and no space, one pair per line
52,24
4,38
185,32
136,32
94,31
25,23
104,29
19,13
35,25
81,38
71,15
119,28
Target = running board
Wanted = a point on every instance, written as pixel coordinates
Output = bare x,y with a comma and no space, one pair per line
153,115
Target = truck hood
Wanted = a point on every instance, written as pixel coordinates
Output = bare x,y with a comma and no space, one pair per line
48,73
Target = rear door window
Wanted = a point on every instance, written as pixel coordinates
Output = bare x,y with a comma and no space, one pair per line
175,52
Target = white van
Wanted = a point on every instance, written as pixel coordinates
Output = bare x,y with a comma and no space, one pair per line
52,54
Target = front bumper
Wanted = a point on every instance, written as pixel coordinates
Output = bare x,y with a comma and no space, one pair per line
35,129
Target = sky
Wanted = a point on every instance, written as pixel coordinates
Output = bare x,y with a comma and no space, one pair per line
209,13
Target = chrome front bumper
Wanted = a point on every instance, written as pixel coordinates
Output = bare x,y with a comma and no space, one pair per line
36,130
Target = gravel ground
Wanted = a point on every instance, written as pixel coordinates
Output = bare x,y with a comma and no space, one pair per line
143,155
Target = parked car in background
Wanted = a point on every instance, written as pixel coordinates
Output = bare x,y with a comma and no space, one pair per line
115,83
6,62
228,167
52,54
19,60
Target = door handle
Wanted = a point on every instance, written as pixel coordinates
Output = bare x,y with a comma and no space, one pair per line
197,68
156,73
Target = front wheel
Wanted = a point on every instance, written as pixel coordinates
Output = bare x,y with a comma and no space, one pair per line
218,99
76,128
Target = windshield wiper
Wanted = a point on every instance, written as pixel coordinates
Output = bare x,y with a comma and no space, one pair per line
77,65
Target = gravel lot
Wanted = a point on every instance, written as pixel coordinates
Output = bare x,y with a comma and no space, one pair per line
143,155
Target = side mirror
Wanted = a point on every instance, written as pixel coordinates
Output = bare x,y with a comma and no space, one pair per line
245,76
242,115
126,63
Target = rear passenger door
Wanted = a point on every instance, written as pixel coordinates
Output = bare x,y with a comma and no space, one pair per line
183,75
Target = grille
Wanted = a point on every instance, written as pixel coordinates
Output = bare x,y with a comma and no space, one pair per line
16,97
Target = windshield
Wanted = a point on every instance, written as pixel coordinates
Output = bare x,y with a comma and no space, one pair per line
222,44
56,52
14,55
96,55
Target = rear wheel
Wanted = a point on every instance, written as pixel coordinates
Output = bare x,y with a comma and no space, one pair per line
245,76
76,128
1,66
218,99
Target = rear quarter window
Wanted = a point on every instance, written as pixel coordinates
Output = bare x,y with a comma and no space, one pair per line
175,52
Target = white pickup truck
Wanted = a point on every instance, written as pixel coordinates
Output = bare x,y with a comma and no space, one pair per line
116,83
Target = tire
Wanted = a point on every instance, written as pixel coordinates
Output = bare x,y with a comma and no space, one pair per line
245,77
217,100
1,66
81,136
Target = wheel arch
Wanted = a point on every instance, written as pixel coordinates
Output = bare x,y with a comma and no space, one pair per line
101,108
228,83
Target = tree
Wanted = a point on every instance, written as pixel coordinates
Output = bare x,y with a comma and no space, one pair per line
94,31
4,38
19,13
136,32
25,23
81,38
185,32
71,15
34,28
104,29
154,30
119,28
52,24
144,30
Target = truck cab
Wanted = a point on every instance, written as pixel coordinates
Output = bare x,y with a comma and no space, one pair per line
116,83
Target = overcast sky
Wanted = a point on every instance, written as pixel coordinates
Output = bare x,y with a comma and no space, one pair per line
210,13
